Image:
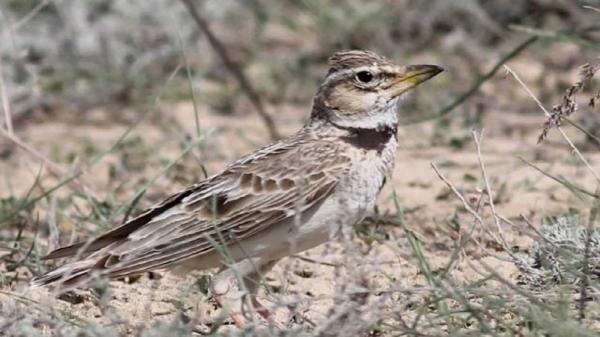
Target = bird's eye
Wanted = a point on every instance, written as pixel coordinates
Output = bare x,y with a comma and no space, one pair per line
364,76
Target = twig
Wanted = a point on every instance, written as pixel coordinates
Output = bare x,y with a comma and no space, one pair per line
52,167
482,79
548,114
568,105
587,133
188,72
9,134
457,193
474,213
309,260
592,8
568,35
32,13
586,256
5,102
489,190
131,207
233,68
518,49
79,172
569,185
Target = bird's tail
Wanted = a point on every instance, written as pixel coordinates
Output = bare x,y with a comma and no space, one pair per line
69,275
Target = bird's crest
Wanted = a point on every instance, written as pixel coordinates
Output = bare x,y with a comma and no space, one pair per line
349,59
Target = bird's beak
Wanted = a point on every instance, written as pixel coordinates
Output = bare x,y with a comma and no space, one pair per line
412,76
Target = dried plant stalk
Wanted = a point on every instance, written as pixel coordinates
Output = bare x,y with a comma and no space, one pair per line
568,106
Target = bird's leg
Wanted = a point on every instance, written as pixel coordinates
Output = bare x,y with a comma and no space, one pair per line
251,273
220,286
252,283
263,311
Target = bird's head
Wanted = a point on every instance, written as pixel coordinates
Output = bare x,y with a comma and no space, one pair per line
363,88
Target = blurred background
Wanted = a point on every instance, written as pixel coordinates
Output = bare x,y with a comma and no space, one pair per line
112,63
65,56
108,106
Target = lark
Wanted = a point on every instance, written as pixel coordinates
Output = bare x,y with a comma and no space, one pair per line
280,200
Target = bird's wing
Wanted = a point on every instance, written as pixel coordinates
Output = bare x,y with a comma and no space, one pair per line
257,191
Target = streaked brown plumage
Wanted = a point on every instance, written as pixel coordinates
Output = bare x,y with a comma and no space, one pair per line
282,199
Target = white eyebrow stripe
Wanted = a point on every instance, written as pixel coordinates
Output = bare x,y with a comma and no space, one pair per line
388,69
375,69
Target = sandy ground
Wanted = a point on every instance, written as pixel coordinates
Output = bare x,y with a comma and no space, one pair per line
307,287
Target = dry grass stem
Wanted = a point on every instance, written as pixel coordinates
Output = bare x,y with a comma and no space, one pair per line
473,212
568,106
473,89
5,102
559,128
54,169
595,9
32,13
488,190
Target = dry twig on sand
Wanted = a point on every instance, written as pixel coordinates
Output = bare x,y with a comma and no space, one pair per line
234,69
476,216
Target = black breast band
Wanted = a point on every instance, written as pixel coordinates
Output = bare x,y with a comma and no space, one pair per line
368,138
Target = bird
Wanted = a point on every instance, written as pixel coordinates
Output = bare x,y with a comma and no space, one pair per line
282,199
